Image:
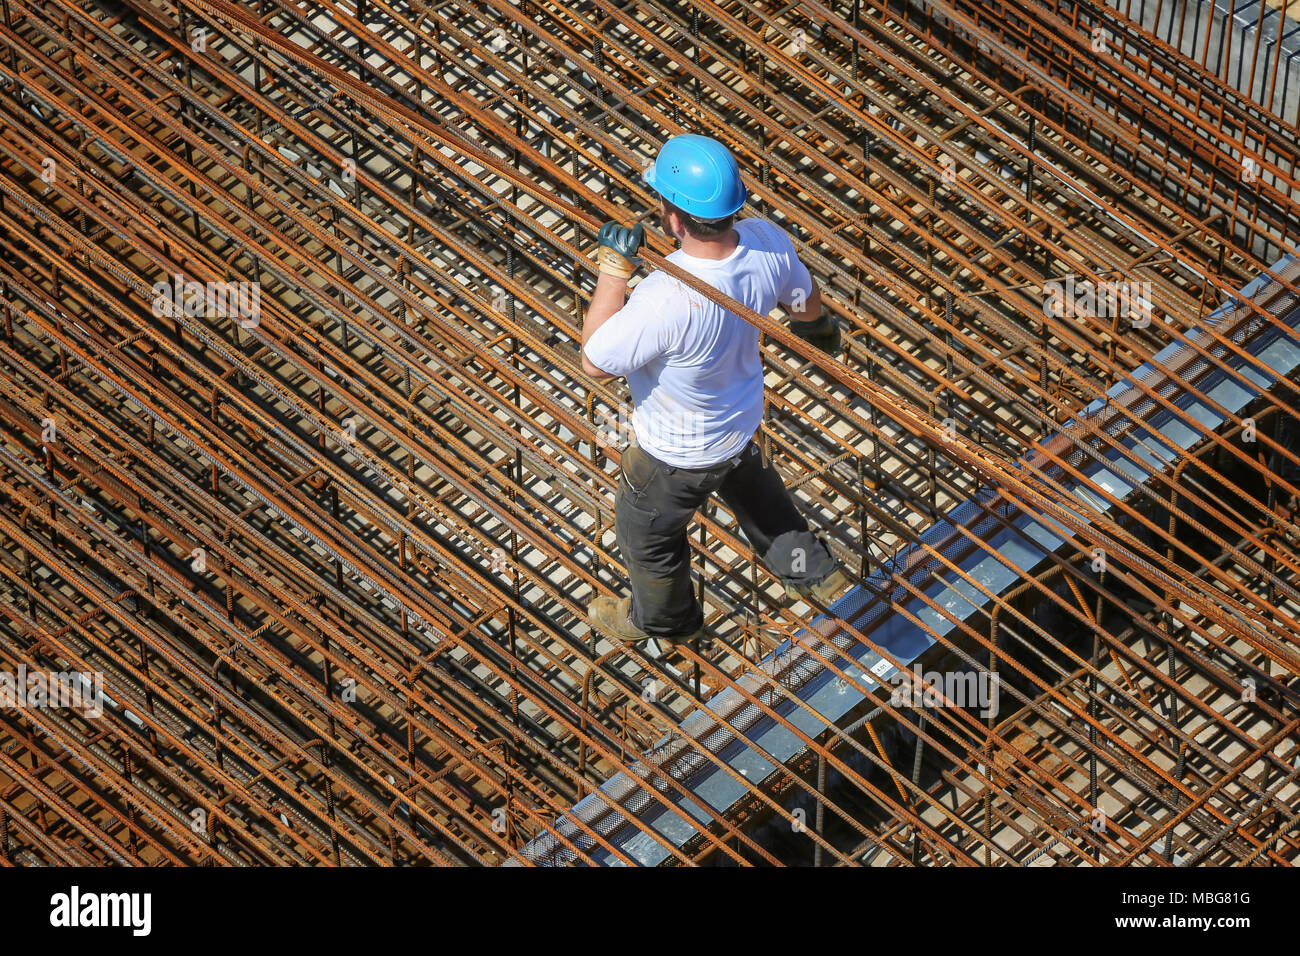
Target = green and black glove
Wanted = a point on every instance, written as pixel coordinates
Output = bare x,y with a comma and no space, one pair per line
822,333
616,254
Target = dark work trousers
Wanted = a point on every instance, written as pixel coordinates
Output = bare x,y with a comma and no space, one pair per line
653,509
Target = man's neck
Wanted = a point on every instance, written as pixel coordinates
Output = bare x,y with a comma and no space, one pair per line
718,248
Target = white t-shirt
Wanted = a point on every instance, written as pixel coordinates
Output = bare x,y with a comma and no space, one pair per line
692,366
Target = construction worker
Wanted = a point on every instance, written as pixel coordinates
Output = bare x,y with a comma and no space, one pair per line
696,379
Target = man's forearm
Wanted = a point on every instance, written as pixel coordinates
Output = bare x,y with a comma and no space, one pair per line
609,297
810,308
809,323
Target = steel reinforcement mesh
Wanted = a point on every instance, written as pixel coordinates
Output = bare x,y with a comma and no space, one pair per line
303,492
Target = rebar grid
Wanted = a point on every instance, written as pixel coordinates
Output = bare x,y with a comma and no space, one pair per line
401,483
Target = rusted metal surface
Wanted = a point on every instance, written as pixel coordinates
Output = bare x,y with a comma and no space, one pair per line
399,483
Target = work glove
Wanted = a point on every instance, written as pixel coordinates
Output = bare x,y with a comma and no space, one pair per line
616,254
822,333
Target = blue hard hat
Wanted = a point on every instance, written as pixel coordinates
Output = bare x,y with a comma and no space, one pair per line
699,176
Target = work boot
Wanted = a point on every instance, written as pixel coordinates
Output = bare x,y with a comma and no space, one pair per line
612,617
823,592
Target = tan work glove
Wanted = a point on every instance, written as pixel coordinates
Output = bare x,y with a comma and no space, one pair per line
616,254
